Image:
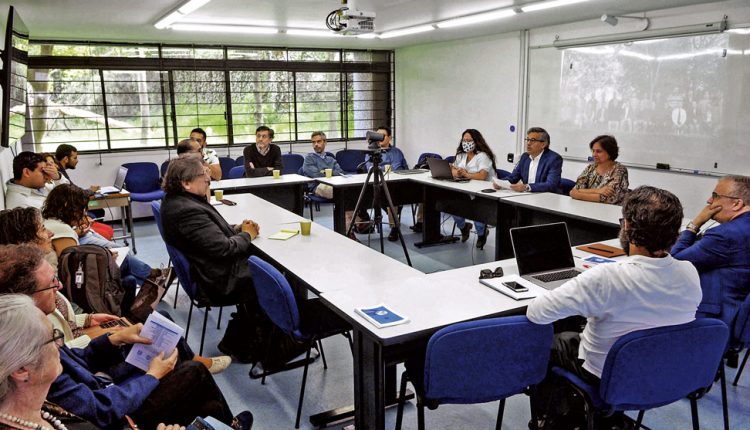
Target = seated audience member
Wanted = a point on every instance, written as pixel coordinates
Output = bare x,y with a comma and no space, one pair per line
316,162
474,160
27,186
648,289
262,157
722,255
65,216
209,155
67,158
189,146
539,168
51,174
394,158
604,180
95,383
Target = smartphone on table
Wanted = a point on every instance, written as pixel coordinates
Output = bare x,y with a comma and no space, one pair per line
515,286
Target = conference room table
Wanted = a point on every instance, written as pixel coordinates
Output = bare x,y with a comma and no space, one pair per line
119,200
287,191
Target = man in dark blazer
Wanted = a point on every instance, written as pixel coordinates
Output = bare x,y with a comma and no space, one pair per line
538,159
722,255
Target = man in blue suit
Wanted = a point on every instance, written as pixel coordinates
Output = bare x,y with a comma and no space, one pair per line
540,168
722,254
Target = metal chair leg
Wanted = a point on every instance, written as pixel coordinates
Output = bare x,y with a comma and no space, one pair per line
694,413
724,405
401,401
190,317
218,323
639,420
742,367
311,209
203,333
322,353
302,389
500,410
420,415
176,291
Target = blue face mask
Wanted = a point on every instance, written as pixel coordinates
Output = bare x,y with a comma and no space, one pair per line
467,146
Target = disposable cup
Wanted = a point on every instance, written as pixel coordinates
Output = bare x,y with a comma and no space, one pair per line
304,227
276,174
219,194
329,173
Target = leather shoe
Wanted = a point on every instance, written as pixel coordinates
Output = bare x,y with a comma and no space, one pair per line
417,227
733,359
243,421
465,231
393,235
353,237
482,240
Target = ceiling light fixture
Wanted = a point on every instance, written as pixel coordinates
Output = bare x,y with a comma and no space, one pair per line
181,11
476,18
549,4
407,31
368,36
213,28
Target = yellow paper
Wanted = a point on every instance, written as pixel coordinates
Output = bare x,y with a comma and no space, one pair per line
284,234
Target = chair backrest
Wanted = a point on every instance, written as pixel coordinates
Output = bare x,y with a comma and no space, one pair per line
275,296
291,163
349,159
422,160
240,161
163,168
741,328
502,174
450,158
142,177
566,185
236,172
486,360
651,368
179,261
226,164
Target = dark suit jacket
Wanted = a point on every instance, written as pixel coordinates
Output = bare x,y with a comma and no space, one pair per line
547,173
722,258
217,252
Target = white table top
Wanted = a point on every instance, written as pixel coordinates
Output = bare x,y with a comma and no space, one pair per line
325,260
471,187
359,179
227,184
550,202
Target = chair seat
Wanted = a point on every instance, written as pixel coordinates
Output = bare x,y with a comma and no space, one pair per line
318,322
147,197
591,390
318,199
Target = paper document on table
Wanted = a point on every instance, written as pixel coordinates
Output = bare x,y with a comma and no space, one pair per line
122,252
381,316
164,335
503,285
284,234
503,184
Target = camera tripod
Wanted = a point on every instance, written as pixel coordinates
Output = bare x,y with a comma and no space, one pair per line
379,189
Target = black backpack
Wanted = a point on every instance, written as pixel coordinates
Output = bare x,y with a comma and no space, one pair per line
91,279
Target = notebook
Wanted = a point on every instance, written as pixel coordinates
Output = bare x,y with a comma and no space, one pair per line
441,169
543,254
119,182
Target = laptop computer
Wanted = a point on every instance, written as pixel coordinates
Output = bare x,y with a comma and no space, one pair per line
441,169
543,254
119,182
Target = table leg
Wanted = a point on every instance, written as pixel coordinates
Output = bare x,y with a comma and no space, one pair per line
299,199
130,224
431,235
339,210
506,219
369,384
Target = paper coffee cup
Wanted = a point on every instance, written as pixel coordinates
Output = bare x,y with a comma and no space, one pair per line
304,227
219,194
276,174
328,172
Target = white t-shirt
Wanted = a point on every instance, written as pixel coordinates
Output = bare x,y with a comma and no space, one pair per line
618,298
480,161
60,229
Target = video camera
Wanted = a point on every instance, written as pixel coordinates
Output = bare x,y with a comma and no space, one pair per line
373,140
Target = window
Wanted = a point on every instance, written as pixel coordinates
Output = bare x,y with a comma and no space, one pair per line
103,97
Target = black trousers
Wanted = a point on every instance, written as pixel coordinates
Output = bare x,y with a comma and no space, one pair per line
186,392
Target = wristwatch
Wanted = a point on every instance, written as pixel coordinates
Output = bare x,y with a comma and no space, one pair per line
528,188
692,227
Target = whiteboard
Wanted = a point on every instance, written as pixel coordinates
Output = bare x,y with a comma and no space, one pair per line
680,101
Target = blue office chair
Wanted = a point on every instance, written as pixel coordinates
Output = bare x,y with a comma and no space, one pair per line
350,159
143,182
236,172
422,160
477,362
650,368
226,164
291,163
741,335
240,161
502,174
309,323
182,268
163,168
450,158
566,185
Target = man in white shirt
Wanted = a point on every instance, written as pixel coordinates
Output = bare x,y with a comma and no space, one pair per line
648,289
209,155
26,189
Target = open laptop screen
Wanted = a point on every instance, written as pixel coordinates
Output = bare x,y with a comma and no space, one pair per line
541,248
120,179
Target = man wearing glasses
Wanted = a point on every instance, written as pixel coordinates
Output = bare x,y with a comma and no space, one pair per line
540,168
722,255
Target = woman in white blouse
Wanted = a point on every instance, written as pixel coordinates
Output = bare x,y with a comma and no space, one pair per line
474,160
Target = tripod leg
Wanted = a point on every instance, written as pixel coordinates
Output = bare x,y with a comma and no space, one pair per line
359,203
377,204
396,221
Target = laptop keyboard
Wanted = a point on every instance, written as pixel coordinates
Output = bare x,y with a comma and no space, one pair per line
557,276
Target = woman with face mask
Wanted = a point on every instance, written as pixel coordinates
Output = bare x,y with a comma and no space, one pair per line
474,160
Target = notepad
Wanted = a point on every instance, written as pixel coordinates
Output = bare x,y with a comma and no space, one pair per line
284,234
602,249
164,335
381,316
497,285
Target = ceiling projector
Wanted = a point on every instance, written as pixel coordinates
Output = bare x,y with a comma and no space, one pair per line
350,21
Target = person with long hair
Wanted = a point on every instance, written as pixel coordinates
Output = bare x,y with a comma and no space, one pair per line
474,160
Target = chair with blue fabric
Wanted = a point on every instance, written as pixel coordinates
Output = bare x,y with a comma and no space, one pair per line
291,163
311,199
307,323
651,368
143,182
163,168
502,174
566,185
226,164
741,335
350,160
236,172
450,158
422,160
182,269
478,362
240,161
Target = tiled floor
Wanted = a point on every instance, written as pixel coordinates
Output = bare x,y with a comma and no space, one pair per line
274,404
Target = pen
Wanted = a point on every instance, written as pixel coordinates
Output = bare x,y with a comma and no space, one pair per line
601,249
